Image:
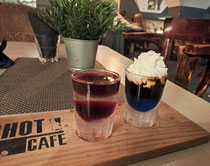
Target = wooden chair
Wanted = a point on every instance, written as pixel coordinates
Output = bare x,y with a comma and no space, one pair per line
142,39
14,23
191,42
136,37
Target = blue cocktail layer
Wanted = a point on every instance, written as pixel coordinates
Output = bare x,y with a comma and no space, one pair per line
142,105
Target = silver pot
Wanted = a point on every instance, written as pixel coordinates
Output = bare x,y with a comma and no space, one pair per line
81,54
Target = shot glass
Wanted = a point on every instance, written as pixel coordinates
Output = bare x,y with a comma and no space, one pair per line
95,95
143,96
48,48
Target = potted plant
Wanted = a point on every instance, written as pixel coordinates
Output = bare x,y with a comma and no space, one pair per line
81,24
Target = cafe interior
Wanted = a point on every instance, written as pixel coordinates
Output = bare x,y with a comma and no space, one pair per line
153,17
35,89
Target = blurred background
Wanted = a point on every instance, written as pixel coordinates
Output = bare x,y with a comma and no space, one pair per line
149,16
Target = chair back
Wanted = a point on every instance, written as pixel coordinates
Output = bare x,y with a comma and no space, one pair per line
195,30
191,45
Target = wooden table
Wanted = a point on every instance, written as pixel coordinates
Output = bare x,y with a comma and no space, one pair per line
155,38
189,105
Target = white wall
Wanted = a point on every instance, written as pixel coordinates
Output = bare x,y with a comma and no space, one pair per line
10,1
172,3
203,4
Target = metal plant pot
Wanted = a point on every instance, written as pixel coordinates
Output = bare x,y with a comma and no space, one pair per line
81,54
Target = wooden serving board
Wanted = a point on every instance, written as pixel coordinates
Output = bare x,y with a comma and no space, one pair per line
49,139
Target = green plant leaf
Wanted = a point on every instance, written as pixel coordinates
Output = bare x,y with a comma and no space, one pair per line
81,19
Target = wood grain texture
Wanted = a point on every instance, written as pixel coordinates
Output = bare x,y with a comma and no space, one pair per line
194,30
194,34
14,23
127,144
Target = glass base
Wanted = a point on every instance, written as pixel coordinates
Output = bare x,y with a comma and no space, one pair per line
46,60
73,69
96,130
141,119
48,48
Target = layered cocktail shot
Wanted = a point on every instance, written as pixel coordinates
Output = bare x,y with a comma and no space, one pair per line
95,96
144,85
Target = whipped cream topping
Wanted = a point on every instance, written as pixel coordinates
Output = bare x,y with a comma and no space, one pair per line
149,64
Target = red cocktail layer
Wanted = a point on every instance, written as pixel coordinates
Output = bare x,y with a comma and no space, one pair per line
96,84
94,110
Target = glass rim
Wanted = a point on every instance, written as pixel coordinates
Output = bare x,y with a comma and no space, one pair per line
67,38
95,70
144,76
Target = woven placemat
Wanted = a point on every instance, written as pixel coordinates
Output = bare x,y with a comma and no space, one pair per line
29,86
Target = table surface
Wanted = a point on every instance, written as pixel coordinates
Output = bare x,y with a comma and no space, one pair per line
142,35
189,105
